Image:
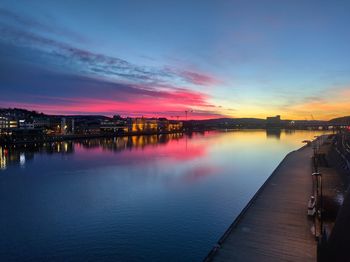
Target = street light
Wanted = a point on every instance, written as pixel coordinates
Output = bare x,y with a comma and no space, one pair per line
319,197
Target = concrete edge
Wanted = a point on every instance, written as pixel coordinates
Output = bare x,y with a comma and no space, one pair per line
234,224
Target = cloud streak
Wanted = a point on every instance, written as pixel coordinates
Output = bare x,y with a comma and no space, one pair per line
89,62
42,73
56,92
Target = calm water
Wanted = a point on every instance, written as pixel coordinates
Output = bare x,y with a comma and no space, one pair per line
152,198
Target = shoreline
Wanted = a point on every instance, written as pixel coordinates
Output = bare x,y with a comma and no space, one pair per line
62,138
70,137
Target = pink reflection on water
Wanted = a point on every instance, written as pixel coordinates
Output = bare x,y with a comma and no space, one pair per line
141,150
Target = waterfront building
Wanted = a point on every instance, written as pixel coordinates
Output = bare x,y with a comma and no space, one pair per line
41,123
54,126
86,126
7,123
175,126
24,124
3,123
165,125
13,123
152,125
116,126
273,119
58,125
273,122
139,125
67,125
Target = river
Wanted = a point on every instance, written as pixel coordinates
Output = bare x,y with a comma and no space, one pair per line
144,198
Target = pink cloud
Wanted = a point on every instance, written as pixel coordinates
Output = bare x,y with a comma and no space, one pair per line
167,104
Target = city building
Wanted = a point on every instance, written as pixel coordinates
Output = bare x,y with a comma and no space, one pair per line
175,126
83,126
165,125
115,126
137,125
273,121
4,123
7,123
59,125
20,124
24,124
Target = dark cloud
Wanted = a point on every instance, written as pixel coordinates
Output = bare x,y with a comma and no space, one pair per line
83,60
74,58
8,17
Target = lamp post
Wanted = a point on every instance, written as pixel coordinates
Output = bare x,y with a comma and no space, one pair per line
319,198
314,158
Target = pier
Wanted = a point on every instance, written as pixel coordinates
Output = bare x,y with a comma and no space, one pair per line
274,225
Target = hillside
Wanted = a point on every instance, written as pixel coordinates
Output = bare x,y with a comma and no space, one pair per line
341,120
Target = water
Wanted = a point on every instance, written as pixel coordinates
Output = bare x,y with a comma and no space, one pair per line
147,198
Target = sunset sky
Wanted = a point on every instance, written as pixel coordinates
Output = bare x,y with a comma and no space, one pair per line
161,58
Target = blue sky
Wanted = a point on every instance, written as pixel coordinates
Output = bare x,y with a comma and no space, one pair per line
161,58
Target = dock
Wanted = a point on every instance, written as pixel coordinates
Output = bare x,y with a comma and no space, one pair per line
274,225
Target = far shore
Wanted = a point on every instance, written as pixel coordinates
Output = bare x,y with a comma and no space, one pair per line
68,137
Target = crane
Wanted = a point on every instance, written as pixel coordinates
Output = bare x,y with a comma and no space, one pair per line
188,111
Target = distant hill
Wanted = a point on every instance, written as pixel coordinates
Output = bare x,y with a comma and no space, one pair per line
27,114
20,112
341,120
231,120
225,123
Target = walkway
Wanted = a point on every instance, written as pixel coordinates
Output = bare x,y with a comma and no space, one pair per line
275,226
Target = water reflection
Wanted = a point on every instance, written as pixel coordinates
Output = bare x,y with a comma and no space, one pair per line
126,198
273,133
11,156
174,145
18,155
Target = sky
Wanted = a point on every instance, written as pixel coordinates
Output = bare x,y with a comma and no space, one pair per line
162,58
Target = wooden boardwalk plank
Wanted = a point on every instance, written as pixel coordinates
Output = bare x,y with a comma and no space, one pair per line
275,226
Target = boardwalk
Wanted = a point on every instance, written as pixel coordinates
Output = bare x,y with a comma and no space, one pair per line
274,226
